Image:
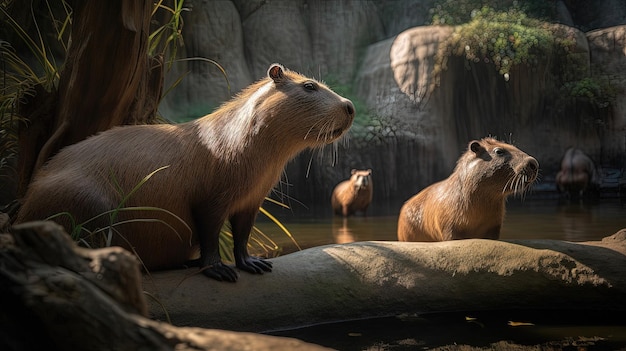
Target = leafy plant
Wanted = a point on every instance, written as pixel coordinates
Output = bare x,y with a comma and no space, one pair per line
80,233
503,39
20,79
592,89
259,242
457,12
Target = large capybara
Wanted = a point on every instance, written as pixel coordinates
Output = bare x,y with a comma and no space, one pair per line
577,174
354,194
470,203
219,167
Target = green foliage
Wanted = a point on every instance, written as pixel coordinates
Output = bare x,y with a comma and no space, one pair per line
79,231
20,79
504,39
166,39
363,117
259,242
457,12
596,91
367,127
509,33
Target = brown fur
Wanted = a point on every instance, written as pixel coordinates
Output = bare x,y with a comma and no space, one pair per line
354,194
219,167
577,173
470,203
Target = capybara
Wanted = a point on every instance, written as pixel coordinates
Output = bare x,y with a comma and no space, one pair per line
470,203
219,167
354,194
577,174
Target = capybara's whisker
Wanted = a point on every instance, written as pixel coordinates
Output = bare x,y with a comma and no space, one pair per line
475,195
239,150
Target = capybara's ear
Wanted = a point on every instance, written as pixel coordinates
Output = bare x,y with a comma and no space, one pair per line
476,147
276,72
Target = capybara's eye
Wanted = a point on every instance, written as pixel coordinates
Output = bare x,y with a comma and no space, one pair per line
310,86
499,151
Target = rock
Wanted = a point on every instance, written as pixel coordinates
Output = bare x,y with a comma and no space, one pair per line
373,279
57,296
212,31
386,52
607,47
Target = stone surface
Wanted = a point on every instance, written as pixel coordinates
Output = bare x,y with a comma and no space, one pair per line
384,52
372,279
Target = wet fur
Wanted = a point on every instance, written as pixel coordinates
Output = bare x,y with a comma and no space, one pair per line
470,203
353,195
219,167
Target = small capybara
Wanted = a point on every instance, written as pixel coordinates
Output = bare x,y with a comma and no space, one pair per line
577,174
354,194
470,203
219,167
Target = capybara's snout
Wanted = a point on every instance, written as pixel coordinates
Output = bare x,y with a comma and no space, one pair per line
349,106
531,169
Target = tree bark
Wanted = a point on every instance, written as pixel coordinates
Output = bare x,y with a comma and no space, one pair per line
108,79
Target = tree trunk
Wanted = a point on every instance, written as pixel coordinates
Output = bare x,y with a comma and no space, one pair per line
108,79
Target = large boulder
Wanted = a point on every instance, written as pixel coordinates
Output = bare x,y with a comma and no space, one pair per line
372,279
608,52
411,124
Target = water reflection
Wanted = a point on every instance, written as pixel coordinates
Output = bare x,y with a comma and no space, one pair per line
342,233
528,219
574,219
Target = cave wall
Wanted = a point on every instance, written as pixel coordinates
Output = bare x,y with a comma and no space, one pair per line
385,51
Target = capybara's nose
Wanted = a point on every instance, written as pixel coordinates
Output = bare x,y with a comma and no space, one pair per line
350,108
532,168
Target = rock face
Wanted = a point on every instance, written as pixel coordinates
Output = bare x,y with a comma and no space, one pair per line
418,122
374,279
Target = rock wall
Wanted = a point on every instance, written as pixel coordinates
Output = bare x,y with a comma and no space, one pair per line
384,52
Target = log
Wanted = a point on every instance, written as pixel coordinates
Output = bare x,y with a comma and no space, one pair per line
57,296
364,280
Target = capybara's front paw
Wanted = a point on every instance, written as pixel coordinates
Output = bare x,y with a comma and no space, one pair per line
254,265
221,272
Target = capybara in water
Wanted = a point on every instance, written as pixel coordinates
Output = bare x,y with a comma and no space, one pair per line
354,194
470,203
219,167
577,174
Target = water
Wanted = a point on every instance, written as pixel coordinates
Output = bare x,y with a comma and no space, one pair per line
538,218
499,330
527,219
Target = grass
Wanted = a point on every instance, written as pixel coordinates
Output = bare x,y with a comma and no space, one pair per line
20,78
259,242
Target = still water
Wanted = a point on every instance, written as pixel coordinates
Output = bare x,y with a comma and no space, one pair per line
529,219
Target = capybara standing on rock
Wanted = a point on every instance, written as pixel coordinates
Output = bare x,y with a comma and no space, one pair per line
354,194
219,167
470,203
577,174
